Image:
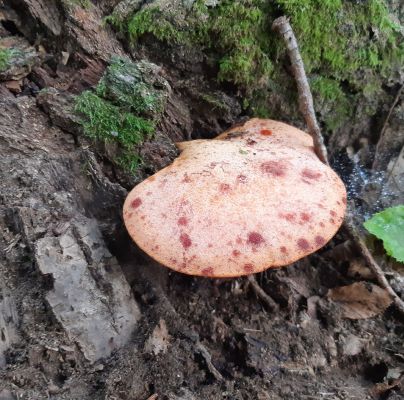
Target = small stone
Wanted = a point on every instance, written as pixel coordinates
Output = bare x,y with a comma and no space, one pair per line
99,367
6,394
352,345
53,389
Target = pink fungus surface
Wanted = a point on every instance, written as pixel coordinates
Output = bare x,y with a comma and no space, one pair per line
274,168
254,238
136,202
185,240
183,221
303,244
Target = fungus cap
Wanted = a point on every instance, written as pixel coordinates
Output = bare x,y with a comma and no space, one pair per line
238,204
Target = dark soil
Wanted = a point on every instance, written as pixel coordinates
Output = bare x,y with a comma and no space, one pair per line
197,338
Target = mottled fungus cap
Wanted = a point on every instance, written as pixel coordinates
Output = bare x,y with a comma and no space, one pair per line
255,197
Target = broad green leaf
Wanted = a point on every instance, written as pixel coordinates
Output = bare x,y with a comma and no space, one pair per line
388,226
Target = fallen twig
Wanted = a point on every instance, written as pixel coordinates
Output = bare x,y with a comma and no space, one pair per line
208,360
268,300
284,28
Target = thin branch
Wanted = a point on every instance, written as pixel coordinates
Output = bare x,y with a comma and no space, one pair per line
208,360
268,300
373,265
282,26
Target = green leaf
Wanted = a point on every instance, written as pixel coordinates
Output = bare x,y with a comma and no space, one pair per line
388,226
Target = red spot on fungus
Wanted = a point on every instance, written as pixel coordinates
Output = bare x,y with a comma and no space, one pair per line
239,240
242,178
310,174
284,250
288,216
186,179
266,132
305,217
250,142
236,253
303,244
344,200
332,220
182,221
333,213
224,187
210,245
320,241
143,217
136,202
275,168
255,238
248,268
207,271
185,240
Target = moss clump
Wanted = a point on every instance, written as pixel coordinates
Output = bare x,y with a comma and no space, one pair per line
8,56
236,31
5,57
334,105
341,37
134,85
123,109
340,41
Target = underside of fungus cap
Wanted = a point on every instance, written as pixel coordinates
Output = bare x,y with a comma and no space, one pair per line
236,205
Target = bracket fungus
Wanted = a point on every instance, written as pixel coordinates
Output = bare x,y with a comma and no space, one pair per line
253,198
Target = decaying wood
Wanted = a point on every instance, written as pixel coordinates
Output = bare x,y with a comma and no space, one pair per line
283,27
376,161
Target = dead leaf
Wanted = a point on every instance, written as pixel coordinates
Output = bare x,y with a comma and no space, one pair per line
360,300
14,86
358,269
381,388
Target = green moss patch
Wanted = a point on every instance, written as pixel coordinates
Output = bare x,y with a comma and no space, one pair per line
5,55
5,58
124,108
340,41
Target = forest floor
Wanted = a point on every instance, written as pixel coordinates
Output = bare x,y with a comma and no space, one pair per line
85,314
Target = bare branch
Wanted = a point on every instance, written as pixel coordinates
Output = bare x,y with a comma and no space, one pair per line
282,26
268,300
